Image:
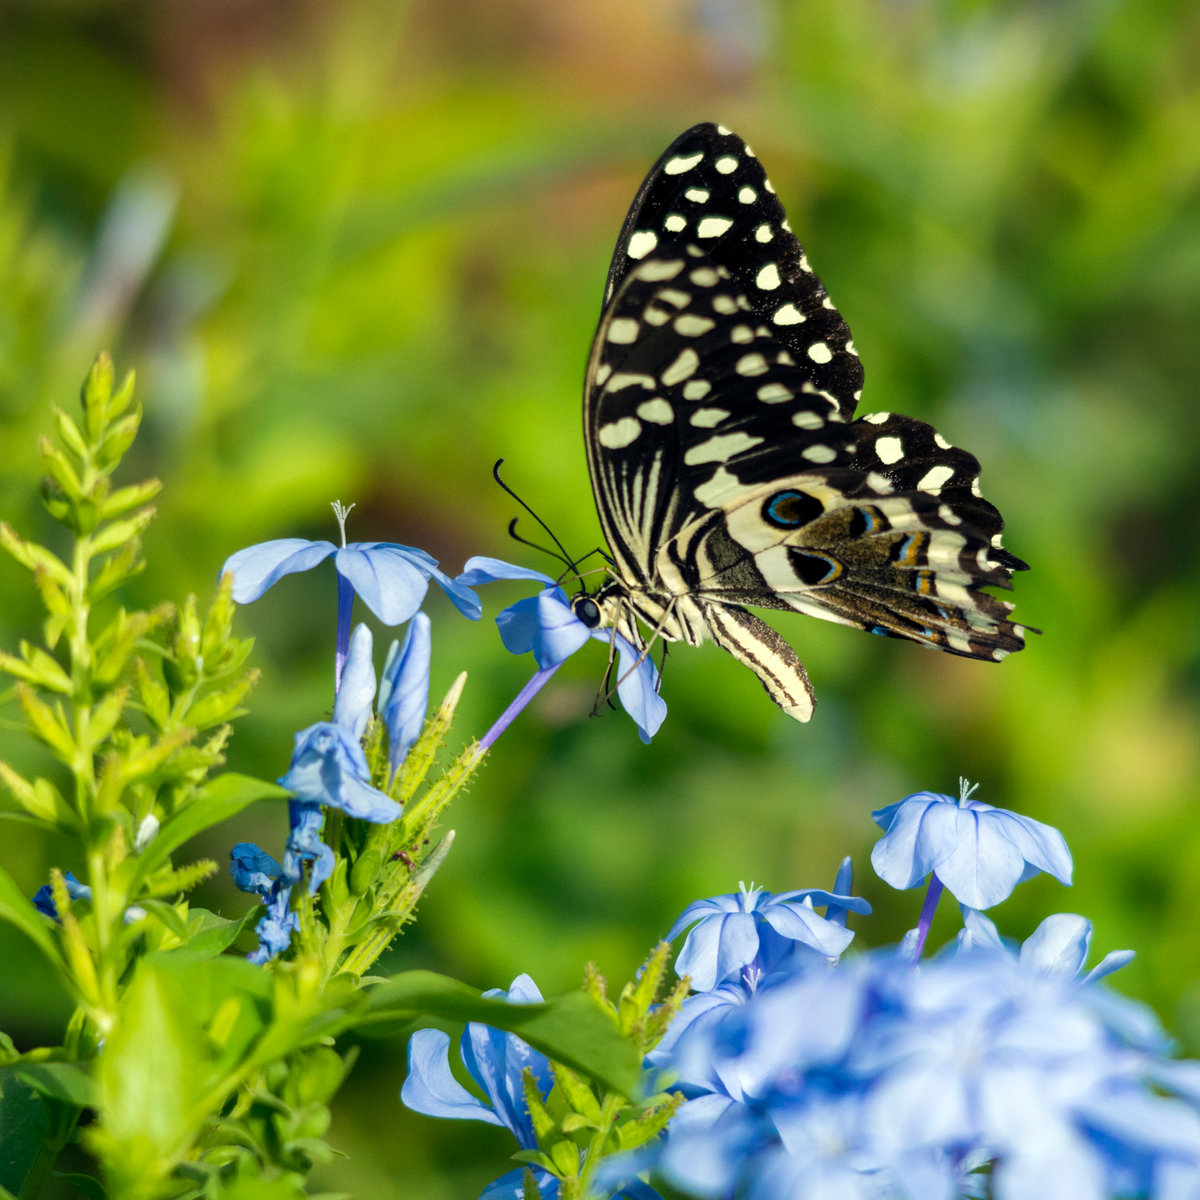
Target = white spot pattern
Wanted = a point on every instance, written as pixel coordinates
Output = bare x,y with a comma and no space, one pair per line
774,393
819,453
697,195
768,277
751,364
713,226
623,331
889,449
691,325
935,478
674,223
788,314
706,418
720,448
641,243
619,434
657,411
696,389
685,162
747,195
726,164
819,352
684,366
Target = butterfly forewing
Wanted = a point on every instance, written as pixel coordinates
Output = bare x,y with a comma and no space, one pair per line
725,460
709,189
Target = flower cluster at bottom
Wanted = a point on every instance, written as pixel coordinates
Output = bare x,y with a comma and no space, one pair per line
990,1070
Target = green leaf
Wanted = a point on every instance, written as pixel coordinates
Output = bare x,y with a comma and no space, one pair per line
93,1189
167,915
569,1028
208,934
60,1081
217,801
17,908
23,1131
113,536
47,725
123,499
150,1077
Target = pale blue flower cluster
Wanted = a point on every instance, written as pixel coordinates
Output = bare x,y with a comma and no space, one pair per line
986,1071
989,1070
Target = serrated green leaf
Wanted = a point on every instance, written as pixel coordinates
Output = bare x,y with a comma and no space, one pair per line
152,695
217,801
126,498
47,725
114,571
182,879
33,556
41,799
569,1029
218,707
107,713
117,439
62,471
95,395
113,536
68,432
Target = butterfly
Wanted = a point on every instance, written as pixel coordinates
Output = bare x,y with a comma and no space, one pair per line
727,463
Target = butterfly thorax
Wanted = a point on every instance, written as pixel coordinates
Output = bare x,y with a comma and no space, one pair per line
619,606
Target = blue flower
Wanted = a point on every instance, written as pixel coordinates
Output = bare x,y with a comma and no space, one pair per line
546,625
404,690
328,764
253,870
495,1061
752,930
979,852
390,579
1057,948
43,898
257,872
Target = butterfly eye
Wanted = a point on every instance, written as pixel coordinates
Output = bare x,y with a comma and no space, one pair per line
791,509
587,610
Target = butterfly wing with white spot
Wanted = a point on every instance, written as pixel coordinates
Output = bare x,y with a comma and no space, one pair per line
708,189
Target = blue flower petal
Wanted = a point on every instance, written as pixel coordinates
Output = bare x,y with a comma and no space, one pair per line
253,869
431,1087
356,693
718,948
329,767
390,580
482,569
404,693
637,686
257,568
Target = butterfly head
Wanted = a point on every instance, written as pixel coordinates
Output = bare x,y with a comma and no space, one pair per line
584,606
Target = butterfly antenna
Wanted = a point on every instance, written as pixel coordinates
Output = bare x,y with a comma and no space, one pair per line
516,537
562,549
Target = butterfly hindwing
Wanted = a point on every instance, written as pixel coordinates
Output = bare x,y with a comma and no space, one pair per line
725,458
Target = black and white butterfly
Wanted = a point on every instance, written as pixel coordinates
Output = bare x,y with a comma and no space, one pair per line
727,464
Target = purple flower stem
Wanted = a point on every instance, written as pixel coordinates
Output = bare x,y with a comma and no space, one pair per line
345,602
524,696
936,887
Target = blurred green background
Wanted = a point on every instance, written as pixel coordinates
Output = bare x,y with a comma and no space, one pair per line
356,251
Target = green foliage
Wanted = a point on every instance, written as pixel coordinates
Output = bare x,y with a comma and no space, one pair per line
362,256
208,1076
